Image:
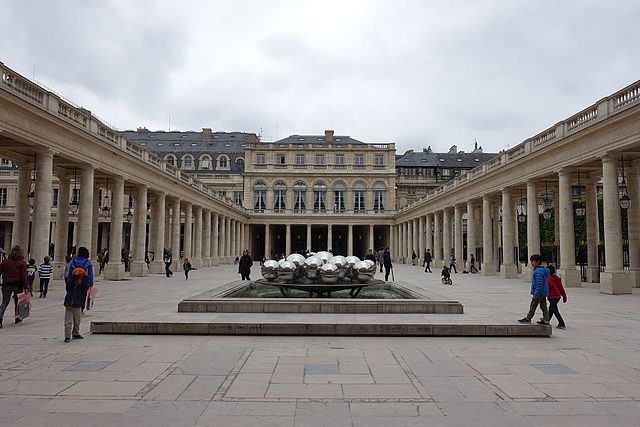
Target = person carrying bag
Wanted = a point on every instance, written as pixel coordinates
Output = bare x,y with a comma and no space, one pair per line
77,284
13,271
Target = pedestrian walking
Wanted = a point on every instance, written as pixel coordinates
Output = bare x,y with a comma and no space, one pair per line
77,285
472,265
452,264
413,257
427,261
44,271
167,259
539,291
186,266
387,263
244,265
370,256
32,269
380,258
556,291
13,271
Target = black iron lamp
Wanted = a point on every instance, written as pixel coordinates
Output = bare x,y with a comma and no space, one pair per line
580,209
31,197
547,202
148,213
625,200
106,210
522,209
74,204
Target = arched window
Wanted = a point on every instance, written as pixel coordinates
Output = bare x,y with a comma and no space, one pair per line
187,162
259,195
223,162
359,191
299,196
319,196
240,163
279,196
205,162
339,194
379,196
170,159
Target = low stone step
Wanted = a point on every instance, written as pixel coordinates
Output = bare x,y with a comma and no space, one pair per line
320,328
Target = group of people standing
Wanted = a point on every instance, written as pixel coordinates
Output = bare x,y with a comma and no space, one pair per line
18,277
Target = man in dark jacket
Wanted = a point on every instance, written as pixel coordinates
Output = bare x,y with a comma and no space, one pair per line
77,284
244,265
387,263
427,261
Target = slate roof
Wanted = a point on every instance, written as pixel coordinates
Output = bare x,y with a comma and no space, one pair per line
317,139
446,160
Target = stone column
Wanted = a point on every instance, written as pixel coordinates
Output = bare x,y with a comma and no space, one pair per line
138,266
508,269
232,239
350,240
221,239
167,225
206,245
570,275
633,215
95,221
329,237
197,256
85,213
188,230
267,241
227,240
372,242
429,233
457,240
176,219
488,262
421,239
437,239
593,232
114,270
62,227
215,240
309,237
20,233
446,236
533,226
471,234
42,210
613,280
156,244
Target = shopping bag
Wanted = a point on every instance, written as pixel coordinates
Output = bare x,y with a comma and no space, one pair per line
24,306
91,296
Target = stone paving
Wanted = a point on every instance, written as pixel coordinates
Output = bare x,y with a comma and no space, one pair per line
586,375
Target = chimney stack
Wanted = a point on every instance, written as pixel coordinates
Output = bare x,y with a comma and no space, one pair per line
328,135
253,138
206,133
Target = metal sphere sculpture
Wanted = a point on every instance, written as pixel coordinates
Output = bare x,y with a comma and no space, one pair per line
329,273
269,270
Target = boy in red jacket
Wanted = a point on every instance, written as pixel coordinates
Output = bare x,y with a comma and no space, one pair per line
556,290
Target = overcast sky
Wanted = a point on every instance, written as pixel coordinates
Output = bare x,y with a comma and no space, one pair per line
416,73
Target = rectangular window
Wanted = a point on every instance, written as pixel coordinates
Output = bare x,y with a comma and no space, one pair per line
319,200
339,159
358,200
259,199
54,200
75,195
3,197
411,191
280,159
359,160
379,159
238,197
300,159
446,172
338,201
379,200
319,159
5,163
300,200
279,200
261,159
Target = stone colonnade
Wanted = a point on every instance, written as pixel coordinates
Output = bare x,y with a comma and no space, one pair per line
490,231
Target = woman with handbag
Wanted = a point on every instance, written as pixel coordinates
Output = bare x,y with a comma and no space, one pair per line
14,279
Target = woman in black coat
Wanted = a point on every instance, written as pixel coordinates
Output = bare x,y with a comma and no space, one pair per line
244,266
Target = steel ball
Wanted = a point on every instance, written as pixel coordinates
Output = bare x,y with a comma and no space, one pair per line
329,273
269,270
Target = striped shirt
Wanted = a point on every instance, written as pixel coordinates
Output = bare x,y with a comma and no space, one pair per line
45,271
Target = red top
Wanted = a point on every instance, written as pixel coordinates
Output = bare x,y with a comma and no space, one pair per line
556,290
14,272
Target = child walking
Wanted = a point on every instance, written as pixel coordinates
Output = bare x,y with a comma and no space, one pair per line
556,291
44,272
539,291
31,274
186,266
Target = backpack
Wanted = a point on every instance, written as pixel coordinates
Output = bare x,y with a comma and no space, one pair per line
31,270
78,275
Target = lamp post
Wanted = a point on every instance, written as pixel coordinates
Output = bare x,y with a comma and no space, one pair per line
580,208
625,200
106,210
521,207
74,204
31,197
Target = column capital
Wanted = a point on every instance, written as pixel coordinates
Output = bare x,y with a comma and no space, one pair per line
610,157
564,171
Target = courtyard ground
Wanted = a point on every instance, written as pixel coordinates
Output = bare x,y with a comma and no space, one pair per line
586,375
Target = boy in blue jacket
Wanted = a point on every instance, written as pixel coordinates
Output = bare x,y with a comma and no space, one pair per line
539,291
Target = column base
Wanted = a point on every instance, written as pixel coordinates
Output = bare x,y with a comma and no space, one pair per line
215,261
138,269
570,277
206,262
196,262
176,266
113,271
593,274
508,271
489,269
634,278
527,272
157,267
58,270
615,283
